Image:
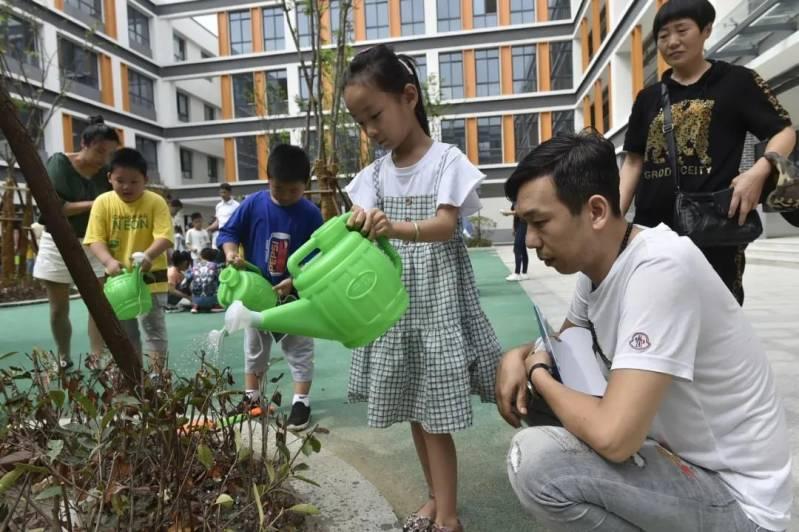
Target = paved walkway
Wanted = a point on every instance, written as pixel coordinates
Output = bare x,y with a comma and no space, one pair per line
385,458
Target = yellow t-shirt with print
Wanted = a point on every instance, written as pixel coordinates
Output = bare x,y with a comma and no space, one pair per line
130,227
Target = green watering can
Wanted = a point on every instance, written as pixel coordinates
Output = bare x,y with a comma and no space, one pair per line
247,286
351,291
128,294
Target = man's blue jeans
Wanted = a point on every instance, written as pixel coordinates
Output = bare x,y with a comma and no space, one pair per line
566,485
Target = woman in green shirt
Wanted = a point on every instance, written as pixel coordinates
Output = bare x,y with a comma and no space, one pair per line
78,179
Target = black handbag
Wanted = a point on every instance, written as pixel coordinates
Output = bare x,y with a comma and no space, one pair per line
702,216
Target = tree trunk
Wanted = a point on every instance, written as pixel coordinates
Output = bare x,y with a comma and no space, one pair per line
326,175
68,245
7,221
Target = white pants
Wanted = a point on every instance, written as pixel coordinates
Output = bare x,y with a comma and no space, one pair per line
298,351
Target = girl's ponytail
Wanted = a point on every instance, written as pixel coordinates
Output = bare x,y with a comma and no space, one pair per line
421,112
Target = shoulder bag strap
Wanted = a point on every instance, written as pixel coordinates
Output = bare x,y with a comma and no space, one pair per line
668,133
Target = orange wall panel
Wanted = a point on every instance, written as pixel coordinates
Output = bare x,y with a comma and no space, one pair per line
125,84
359,20
227,97
503,7
257,24
506,70
544,73
541,10
595,32
224,37
66,124
106,81
637,59
469,74
110,13
471,140
598,111
588,119
263,154
324,27
467,15
59,4
230,160
394,18
546,125
584,43
508,140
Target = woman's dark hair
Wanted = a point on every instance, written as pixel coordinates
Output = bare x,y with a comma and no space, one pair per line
97,130
700,11
581,165
179,257
389,72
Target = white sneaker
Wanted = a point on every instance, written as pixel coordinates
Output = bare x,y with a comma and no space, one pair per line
513,277
523,277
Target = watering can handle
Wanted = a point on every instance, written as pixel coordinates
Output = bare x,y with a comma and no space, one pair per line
296,257
252,267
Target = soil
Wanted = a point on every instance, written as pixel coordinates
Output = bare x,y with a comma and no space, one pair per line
25,291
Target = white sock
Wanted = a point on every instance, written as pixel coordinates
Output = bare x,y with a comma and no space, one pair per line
252,395
301,398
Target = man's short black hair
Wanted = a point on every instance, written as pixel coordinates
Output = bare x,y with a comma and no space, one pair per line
195,215
176,203
581,165
128,158
700,11
288,164
208,253
225,186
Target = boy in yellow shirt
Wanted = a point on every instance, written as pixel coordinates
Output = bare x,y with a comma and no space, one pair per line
127,220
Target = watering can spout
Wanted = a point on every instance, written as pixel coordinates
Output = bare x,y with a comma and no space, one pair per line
297,318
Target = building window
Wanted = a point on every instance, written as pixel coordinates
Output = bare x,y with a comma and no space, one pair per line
303,97
376,19
93,8
78,126
149,150
247,158
421,68
179,48
559,9
605,109
562,122
489,140
243,95
186,170
335,15
140,89
525,78
277,92
209,112
449,15
213,171
454,132
522,11
78,64
487,72
560,59
183,107
303,27
525,129
348,146
450,70
412,17
484,13
274,33
138,28
240,32
19,39
603,22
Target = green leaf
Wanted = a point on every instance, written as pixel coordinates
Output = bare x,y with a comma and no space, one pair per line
258,505
9,479
78,428
54,448
49,493
86,404
57,397
315,443
225,501
30,468
307,509
126,400
301,467
308,480
7,355
205,456
281,446
270,470
108,417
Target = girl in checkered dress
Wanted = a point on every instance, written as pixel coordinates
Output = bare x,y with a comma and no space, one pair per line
425,367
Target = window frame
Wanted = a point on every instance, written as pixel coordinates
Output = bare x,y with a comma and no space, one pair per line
143,22
484,87
28,53
455,87
452,22
523,150
152,164
273,42
78,50
243,21
409,24
522,52
519,13
178,47
379,9
271,82
451,128
212,162
240,110
555,59
141,81
206,109
186,173
182,96
95,7
252,169
482,18
496,153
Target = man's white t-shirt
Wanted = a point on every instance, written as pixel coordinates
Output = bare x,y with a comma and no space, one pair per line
663,308
459,180
224,210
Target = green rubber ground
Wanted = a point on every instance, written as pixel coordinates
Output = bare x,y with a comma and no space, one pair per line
385,457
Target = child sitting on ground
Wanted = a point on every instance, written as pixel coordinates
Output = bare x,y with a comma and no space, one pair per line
127,220
271,225
179,295
204,278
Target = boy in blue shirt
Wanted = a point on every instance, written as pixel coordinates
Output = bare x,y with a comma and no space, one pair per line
271,225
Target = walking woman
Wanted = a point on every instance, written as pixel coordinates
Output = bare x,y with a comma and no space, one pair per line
520,255
78,179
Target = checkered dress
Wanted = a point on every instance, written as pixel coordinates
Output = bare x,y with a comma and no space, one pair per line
425,367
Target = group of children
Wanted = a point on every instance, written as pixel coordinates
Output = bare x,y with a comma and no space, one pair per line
423,370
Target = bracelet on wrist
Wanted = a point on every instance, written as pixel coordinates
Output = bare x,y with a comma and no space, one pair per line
535,367
416,229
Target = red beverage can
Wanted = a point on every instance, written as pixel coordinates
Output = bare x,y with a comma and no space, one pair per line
278,254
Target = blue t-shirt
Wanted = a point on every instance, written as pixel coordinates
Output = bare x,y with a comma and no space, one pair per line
269,232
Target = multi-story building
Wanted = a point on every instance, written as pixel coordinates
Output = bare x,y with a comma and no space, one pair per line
203,88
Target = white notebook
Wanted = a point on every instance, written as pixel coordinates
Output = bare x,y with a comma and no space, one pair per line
574,357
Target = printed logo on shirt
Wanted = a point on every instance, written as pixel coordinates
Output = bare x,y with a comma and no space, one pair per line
278,253
640,342
691,119
130,223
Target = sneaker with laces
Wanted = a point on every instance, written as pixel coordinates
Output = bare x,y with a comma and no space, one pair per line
299,417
